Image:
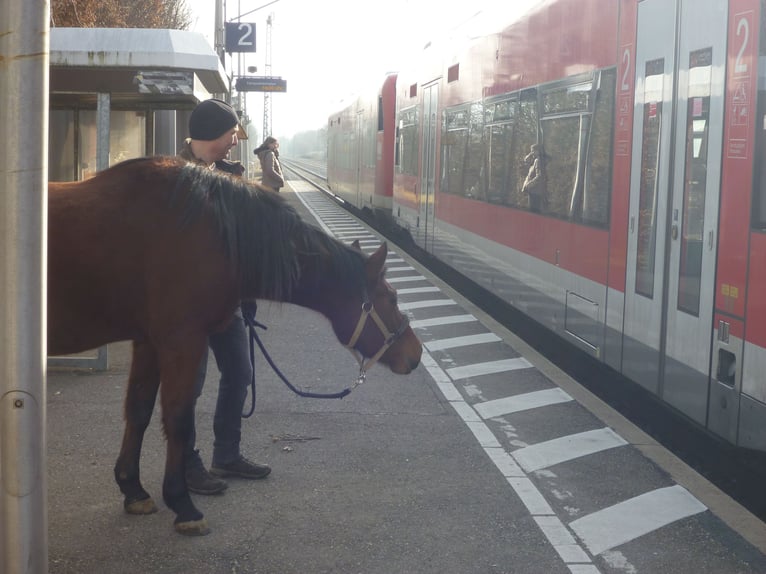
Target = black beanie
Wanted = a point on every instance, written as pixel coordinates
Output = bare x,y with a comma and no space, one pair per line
211,119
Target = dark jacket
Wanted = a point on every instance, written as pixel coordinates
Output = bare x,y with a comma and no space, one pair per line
233,167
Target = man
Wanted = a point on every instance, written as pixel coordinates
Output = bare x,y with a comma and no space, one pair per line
214,129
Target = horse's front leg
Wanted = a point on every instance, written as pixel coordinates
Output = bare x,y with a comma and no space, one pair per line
179,367
139,403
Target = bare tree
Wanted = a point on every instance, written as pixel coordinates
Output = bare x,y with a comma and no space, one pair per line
173,14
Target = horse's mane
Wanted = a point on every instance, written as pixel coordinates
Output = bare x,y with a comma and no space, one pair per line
271,245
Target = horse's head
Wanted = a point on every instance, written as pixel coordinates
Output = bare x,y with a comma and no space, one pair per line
381,332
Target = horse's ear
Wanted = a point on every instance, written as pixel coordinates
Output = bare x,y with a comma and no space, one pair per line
376,262
356,245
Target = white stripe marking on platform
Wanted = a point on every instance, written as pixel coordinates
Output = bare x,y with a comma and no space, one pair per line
545,454
426,304
405,279
400,268
453,342
488,368
436,321
482,433
465,411
554,530
412,290
632,518
530,496
504,462
522,402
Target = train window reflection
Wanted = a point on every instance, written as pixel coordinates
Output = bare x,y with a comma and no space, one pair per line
475,173
557,163
454,143
695,181
502,171
561,153
407,146
650,166
598,169
578,146
567,99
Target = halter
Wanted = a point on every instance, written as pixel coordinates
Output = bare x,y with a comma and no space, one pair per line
389,338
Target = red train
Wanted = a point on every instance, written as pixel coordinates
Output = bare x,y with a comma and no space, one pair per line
360,150
593,163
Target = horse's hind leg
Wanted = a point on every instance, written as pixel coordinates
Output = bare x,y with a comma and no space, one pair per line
139,403
179,366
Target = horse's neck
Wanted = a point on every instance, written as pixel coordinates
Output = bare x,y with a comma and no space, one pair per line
318,288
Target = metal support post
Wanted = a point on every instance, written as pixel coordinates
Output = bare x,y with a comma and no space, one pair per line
24,51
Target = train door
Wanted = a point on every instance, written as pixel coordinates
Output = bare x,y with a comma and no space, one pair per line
674,198
428,162
358,152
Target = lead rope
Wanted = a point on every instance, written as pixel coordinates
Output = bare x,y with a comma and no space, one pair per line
251,325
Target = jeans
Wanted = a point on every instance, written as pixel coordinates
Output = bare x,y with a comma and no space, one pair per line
232,356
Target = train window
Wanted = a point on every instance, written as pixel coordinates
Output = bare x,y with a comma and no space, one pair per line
526,133
381,119
463,155
407,145
475,172
560,162
453,73
695,180
650,163
758,215
759,182
500,144
454,147
598,169
370,143
574,98
566,126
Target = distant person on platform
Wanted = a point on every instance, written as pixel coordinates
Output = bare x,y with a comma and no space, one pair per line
268,155
214,130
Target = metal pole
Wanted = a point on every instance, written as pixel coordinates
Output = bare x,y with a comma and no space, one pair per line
24,51
220,46
267,71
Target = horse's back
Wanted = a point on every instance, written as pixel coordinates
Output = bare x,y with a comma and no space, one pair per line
122,265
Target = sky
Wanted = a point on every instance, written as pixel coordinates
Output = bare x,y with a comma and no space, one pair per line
329,50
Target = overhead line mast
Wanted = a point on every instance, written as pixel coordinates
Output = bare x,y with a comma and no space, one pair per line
267,72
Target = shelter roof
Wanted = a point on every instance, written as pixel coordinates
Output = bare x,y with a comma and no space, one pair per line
155,66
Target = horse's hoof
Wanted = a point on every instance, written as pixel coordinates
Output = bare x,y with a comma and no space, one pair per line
193,527
143,506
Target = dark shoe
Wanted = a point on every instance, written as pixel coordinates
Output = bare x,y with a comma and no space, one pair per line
242,468
199,480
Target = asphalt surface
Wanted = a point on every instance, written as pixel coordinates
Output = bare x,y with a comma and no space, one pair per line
395,478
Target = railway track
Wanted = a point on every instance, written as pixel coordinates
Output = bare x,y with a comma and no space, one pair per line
739,473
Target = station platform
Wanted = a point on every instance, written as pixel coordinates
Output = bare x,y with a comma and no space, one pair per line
486,459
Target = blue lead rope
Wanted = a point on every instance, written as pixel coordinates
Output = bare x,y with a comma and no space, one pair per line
251,325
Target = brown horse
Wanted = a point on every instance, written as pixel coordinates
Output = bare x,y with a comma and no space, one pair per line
161,252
